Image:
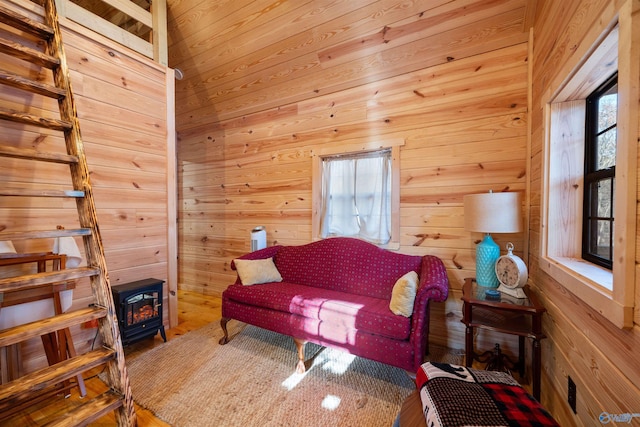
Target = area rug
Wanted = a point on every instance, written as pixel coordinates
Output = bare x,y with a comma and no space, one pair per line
193,381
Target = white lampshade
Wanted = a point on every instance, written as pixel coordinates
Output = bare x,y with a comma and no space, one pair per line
6,247
20,314
67,246
493,212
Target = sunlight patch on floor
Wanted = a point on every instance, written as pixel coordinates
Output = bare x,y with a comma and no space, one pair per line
338,362
335,361
331,402
291,382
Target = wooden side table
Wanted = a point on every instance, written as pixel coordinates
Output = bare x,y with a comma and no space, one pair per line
508,315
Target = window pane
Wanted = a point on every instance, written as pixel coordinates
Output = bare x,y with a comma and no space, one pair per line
604,191
607,110
603,239
606,150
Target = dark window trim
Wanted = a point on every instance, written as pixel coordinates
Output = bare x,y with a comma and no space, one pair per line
594,176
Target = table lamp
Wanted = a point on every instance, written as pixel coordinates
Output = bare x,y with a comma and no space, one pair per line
491,213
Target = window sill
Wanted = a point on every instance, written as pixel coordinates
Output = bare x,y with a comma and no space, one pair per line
590,283
587,273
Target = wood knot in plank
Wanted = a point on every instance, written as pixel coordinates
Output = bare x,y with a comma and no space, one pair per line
421,239
456,263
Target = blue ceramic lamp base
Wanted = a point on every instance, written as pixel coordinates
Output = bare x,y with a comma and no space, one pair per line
487,253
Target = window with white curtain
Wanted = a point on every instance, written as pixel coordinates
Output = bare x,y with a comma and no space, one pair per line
356,196
356,192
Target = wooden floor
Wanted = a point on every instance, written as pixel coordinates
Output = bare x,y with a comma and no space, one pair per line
194,311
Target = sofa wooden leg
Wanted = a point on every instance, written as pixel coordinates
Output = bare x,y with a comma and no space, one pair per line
300,368
223,325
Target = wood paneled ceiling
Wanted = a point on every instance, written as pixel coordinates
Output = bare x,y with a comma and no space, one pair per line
247,57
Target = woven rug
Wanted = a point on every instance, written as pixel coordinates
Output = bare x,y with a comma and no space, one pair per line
251,381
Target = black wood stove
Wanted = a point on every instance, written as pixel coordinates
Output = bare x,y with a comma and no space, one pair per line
139,309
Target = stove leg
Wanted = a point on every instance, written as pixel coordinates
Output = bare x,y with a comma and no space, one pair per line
162,333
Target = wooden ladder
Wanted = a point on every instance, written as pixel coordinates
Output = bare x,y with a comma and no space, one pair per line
30,386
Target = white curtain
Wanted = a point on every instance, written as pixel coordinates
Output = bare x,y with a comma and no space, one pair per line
356,194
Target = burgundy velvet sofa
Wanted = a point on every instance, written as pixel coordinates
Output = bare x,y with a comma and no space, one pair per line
336,293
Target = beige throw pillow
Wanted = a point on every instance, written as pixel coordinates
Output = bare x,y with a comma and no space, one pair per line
256,271
404,294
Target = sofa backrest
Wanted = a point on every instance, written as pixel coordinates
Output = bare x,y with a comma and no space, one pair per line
345,264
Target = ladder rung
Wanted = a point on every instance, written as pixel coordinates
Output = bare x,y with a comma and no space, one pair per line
30,119
46,377
27,401
45,234
89,412
30,281
31,154
42,193
25,24
28,54
38,328
10,79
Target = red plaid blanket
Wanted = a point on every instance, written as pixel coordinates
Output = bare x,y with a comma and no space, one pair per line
457,396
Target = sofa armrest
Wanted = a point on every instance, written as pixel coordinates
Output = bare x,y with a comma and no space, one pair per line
434,281
433,286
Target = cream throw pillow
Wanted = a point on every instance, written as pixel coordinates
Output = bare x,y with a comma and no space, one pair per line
256,271
404,294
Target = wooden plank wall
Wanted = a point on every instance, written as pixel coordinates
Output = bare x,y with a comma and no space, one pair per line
269,83
599,357
121,100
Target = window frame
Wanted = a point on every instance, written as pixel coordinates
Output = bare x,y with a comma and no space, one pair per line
609,292
354,149
593,175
